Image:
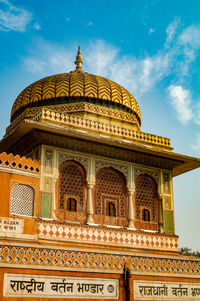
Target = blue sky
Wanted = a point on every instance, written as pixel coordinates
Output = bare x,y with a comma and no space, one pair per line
151,47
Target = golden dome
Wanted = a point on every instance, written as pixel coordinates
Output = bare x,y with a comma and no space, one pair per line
76,86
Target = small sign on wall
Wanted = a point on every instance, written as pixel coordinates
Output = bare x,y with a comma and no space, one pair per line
160,290
41,286
14,225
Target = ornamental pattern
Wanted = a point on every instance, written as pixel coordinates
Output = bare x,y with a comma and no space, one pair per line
74,84
111,186
153,173
55,116
64,119
107,236
71,183
145,196
94,148
22,200
124,169
89,107
31,112
78,260
62,157
19,163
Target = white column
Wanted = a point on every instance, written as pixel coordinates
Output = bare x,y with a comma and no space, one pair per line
131,210
89,204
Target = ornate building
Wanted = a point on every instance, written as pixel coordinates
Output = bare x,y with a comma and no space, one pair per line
87,200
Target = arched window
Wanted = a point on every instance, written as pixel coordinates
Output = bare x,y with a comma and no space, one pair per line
72,182
71,205
111,197
22,200
146,196
71,190
146,203
146,215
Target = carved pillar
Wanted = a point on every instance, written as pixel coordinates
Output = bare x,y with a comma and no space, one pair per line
160,207
131,209
89,204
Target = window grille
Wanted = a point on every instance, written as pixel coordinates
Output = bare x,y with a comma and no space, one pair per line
72,182
110,184
145,195
22,200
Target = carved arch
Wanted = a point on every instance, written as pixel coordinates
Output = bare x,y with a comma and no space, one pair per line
71,192
146,202
111,197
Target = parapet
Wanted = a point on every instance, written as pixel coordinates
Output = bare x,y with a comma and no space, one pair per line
19,163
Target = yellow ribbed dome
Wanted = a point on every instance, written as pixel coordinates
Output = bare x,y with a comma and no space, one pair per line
76,86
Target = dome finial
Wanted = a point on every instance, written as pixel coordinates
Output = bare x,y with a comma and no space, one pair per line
78,62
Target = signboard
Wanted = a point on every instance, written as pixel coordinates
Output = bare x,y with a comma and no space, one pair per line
22,285
157,290
14,225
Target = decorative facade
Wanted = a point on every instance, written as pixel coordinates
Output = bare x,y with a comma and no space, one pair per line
87,199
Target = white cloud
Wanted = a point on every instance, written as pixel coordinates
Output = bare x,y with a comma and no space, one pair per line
184,45
138,75
172,31
46,59
154,69
100,57
197,117
13,18
191,37
189,41
35,66
37,26
196,146
181,102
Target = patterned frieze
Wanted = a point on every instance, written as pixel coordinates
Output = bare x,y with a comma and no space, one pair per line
76,107
123,168
53,258
92,108
153,173
24,164
69,156
36,114
106,236
65,120
98,149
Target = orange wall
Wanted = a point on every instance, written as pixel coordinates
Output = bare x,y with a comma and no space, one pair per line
58,273
7,181
82,275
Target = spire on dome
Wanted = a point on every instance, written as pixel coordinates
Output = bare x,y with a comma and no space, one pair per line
78,62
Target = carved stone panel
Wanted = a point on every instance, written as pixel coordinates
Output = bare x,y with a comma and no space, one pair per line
120,167
68,156
153,173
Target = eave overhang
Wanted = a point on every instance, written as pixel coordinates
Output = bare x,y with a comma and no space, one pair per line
178,163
